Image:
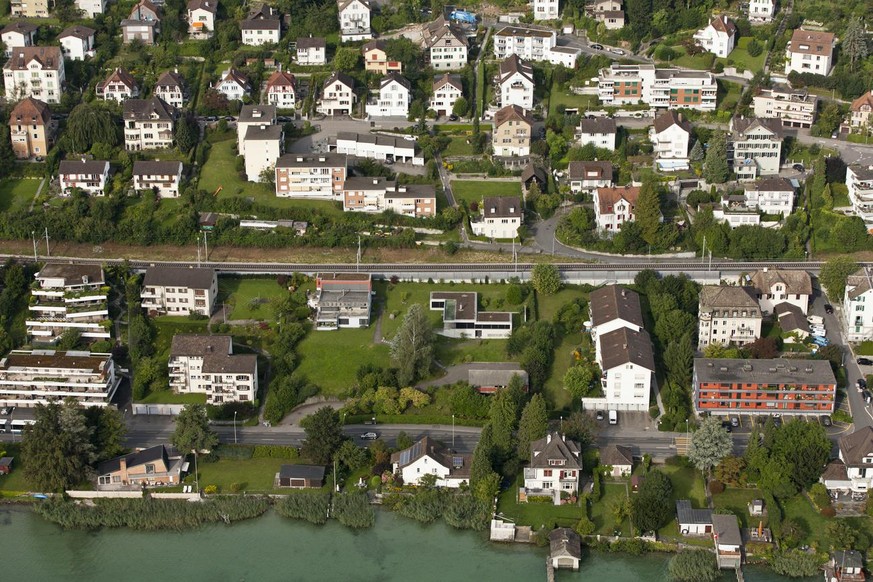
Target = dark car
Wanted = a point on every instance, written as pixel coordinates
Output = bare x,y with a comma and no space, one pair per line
453,117
864,362
829,308
798,167
862,384
369,436
825,420
777,420
599,415
595,46
727,426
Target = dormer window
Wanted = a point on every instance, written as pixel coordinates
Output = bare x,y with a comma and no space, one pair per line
557,462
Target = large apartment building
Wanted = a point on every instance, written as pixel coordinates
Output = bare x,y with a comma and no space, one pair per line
728,315
31,8
179,290
65,297
778,386
31,129
755,147
35,71
856,298
859,181
28,378
793,107
462,318
662,88
206,364
377,194
342,300
315,176
528,43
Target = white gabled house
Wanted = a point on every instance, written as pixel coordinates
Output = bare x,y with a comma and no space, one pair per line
775,286
354,20
615,206
161,177
427,457
18,34
671,137
810,51
77,42
263,26
555,466
601,132
857,296
311,51
87,175
446,90
546,9
119,86
201,17
171,88
516,81
719,36
762,10
589,176
854,469
233,85
338,95
394,98
282,90
446,44
263,146
500,217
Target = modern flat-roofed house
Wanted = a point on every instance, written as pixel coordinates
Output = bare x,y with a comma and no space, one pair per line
755,147
516,81
35,71
300,476
853,471
615,206
311,51
342,300
529,43
201,18
462,318
18,34
315,176
394,97
28,378
428,457
600,132
152,467
773,286
671,88
377,194
163,178
773,195
693,522
728,541
447,45
810,51
491,380
588,176
845,566
282,90
118,86
555,467
500,217
378,147
730,386
179,290
793,107
171,88
619,458
728,315
87,175
446,90
264,145
148,124
859,181
31,129
671,136
512,132
376,58
338,95
68,296
206,364
858,319
718,37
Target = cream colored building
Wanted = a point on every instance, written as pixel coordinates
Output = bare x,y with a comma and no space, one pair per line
512,132
179,290
206,364
31,129
728,315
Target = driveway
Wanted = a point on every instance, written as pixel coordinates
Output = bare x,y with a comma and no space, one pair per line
460,372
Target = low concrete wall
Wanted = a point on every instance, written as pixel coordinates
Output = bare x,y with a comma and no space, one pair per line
157,409
184,496
105,494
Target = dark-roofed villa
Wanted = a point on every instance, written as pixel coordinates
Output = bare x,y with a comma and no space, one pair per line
152,467
555,468
428,457
462,318
179,290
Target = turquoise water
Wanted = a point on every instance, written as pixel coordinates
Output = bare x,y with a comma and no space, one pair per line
274,548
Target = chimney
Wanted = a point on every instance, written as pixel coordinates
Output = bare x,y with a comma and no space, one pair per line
548,438
122,468
564,437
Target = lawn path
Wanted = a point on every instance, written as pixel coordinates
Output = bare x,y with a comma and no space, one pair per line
35,196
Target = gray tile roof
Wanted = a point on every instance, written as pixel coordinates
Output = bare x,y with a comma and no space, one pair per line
193,278
764,372
615,302
156,168
723,297
563,541
796,282
597,125
553,446
688,515
312,472
616,455
264,132
727,529
149,455
581,170
626,346
145,109
72,274
501,207
854,447
82,167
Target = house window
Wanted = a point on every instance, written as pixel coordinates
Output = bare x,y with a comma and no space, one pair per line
547,473
150,469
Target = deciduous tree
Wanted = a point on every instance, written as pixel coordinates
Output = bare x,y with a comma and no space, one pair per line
88,124
709,445
323,434
580,427
57,448
533,424
412,346
545,278
578,380
193,432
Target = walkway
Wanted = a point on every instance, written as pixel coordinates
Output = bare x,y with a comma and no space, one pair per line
36,196
461,372
310,407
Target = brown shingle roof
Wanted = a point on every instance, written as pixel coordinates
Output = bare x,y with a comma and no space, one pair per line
607,197
812,42
742,125
723,24
207,5
670,118
501,206
119,75
864,101
281,79
563,541
170,79
581,170
796,282
447,79
235,75
49,57
439,28
31,111
308,42
374,44
616,455
625,346
394,76
615,302
19,26
153,108
597,125
80,32
430,447
82,167
727,297
190,344
156,168
856,446
771,184
859,282
554,446
260,24
342,78
835,471
512,113
512,65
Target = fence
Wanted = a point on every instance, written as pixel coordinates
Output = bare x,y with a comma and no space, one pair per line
131,495
158,409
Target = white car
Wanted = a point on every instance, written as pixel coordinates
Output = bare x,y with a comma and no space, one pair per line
815,320
616,51
369,436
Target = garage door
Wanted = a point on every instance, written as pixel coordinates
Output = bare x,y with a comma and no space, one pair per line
565,562
298,483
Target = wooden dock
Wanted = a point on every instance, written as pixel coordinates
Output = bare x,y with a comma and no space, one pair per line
740,577
550,570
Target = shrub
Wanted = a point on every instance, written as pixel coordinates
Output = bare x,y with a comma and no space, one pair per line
819,495
311,506
236,487
585,526
754,48
210,489
597,489
353,510
274,452
828,512
716,487
463,511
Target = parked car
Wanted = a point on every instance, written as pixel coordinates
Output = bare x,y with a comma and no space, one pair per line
777,420
829,308
820,341
453,117
825,420
613,417
616,51
369,436
864,362
798,167
817,330
596,46
861,383
735,421
599,415
815,320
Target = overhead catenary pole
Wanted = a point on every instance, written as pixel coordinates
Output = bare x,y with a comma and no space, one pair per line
205,247
198,249
33,236
358,256
703,254
47,251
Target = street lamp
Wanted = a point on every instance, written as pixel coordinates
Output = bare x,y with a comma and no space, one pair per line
234,426
196,472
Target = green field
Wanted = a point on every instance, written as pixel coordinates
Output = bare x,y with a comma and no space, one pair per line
536,514
737,502
687,484
557,397
249,298
475,190
458,147
570,101
450,351
170,397
601,511
17,194
742,59
168,326
249,474
330,359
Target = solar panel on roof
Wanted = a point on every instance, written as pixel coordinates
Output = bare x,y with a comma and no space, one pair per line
457,462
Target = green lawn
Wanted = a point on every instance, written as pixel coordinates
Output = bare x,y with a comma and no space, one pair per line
249,298
17,194
168,326
601,511
536,514
729,94
458,147
548,305
450,351
687,484
170,397
570,100
557,397
250,474
475,190
737,501
742,59
330,359
683,59
14,481
801,509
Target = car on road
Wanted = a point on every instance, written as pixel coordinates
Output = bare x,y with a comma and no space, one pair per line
861,384
865,394
616,51
835,135
829,309
864,362
369,436
453,117
599,415
596,46
825,420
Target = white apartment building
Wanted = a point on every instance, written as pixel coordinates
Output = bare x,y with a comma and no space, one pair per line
148,124
563,55
857,296
77,42
282,90
91,8
499,218
263,146
87,175
377,194
775,286
378,147
588,176
447,45
530,44
179,290
727,315
342,300
311,176
311,51
338,95
428,457
555,466
251,116
28,378
68,297
118,86
546,9
810,51
516,81
736,215
718,37
171,88
35,71
354,20
163,178
859,181
615,206
259,32
18,34
754,147
446,90
206,364
668,88
601,132
772,195
613,307
394,98
233,85
671,137
762,10
794,108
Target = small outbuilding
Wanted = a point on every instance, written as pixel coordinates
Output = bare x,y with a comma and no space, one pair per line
845,566
565,548
693,522
5,465
300,476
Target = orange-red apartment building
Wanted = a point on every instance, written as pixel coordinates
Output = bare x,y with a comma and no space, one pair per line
778,386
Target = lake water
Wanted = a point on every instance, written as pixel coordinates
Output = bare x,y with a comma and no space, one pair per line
274,548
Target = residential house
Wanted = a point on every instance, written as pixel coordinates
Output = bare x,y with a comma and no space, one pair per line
772,195
671,137
152,467
148,124
859,181
627,363
376,59
68,296
600,132
669,88
728,541
613,307
18,34
261,31
263,146
530,44
281,90
763,387
378,147
718,37
342,300
338,95
853,470
861,111
755,147
206,364
171,88
845,566
546,9
394,98
311,51
201,18
618,458
233,84
793,107
89,176
446,90
810,51
762,10
773,286
446,44
516,81
35,71
377,194
179,291
428,457
462,318
534,174
588,176
859,319
512,131
491,380
311,176
792,322
693,522
500,217
31,129
734,213
563,55
252,116
91,8
30,8
354,19
77,42
555,466
143,24
301,476
565,546
162,178
118,86
608,12
728,315
615,206
28,378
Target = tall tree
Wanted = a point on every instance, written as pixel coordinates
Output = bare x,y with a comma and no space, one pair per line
580,427
709,445
834,274
412,346
484,481
639,16
653,506
57,449
187,133
323,434
715,167
533,425
679,360
696,153
87,125
647,212
578,380
503,415
546,278
805,448
107,431
193,432
854,42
